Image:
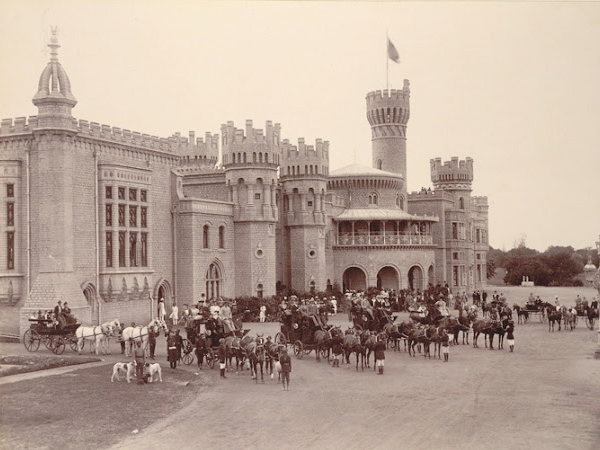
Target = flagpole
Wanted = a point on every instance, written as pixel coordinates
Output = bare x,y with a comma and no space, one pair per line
387,62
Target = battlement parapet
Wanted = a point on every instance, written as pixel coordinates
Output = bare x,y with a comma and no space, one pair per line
479,200
318,152
455,170
21,125
428,194
389,107
196,148
236,136
376,99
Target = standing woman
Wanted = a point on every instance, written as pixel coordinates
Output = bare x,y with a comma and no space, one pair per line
174,314
162,312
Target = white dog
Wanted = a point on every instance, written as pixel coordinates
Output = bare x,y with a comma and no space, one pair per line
152,370
127,368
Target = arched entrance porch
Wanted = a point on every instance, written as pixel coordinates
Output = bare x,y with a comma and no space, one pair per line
354,279
415,278
387,278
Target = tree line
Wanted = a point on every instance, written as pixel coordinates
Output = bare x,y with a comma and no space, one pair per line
557,266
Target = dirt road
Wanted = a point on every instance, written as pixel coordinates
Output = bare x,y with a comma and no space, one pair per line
545,395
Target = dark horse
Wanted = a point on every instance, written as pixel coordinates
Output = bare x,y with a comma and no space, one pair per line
486,326
522,314
352,345
553,316
256,354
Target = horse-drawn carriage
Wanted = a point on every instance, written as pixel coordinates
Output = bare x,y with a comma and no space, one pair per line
305,333
372,319
53,335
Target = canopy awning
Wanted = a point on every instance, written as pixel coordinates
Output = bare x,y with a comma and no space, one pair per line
381,214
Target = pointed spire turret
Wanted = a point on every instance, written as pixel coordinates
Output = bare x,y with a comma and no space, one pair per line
54,97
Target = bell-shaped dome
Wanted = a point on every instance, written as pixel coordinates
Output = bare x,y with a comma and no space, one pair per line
54,86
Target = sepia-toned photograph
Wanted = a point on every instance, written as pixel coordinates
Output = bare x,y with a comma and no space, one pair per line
299,225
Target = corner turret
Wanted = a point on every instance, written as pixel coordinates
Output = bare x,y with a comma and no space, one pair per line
54,98
452,175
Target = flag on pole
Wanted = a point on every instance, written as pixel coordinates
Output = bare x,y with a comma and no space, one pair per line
392,52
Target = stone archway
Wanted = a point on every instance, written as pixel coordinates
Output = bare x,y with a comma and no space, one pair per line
354,279
163,290
431,275
89,291
387,278
415,278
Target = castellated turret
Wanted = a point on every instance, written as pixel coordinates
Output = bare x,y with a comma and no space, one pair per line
452,175
194,151
251,159
388,113
304,173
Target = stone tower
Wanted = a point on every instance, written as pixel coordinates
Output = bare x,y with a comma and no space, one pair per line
454,175
388,113
52,165
304,174
251,161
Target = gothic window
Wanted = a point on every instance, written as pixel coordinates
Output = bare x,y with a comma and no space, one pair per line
109,251
108,192
10,247
121,215
373,199
133,216
10,190
133,249
461,203
121,249
132,195
213,281
143,217
221,237
121,193
10,214
259,291
143,195
109,215
379,164
144,245
454,230
205,237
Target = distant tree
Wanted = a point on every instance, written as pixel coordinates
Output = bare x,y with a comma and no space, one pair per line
533,267
563,268
490,269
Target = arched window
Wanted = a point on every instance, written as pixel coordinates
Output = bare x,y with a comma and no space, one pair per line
373,198
213,281
205,237
379,164
461,203
221,236
259,291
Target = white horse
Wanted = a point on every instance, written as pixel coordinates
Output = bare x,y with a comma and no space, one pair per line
133,334
98,336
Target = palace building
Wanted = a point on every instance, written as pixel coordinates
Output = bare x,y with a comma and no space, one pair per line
111,220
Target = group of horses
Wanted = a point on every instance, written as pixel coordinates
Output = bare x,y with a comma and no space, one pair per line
555,316
99,337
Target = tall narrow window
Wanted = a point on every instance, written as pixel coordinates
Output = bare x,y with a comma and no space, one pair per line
143,195
454,230
143,216
10,190
121,193
109,249
108,191
132,249
109,215
132,195
121,249
144,244
205,237
121,215
133,216
10,214
221,237
461,203
10,244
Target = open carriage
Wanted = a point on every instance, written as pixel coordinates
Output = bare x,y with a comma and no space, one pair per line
304,332
54,336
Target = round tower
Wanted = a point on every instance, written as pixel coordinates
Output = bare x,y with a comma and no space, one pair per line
453,175
251,160
388,113
303,175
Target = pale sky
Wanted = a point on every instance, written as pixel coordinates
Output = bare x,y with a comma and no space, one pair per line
515,86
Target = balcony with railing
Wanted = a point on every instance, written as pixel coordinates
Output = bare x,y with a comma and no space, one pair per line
396,239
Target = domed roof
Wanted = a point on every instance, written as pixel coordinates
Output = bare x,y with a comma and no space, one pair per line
357,170
589,267
54,83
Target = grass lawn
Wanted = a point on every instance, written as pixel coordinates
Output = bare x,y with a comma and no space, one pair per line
84,410
11,365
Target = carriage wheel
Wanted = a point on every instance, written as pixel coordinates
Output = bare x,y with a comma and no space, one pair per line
58,345
298,350
188,358
31,340
391,341
324,353
280,339
210,358
47,340
73,342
